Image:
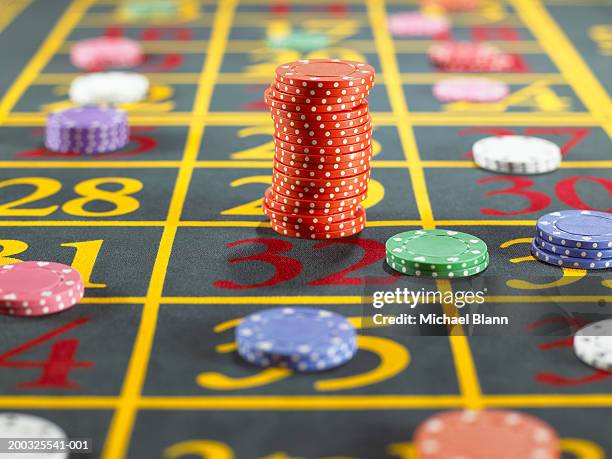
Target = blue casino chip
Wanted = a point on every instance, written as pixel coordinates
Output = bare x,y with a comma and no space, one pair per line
302,339
569,262
577,228
575,252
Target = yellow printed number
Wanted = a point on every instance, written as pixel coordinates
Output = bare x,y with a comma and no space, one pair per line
393,358
265,151
10,247
89,190
84,259
43,188
251,207
120,199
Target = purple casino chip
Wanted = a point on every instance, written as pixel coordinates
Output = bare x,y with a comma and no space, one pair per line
569,262
587,229
87,130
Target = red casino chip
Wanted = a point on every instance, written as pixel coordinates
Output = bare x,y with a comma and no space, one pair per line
363,139
321,125
463,56
324,164
310,100
357,112
321,150
321,173
341,169
318,228
325,185
332,205
315,133
319,212
484,435
320,194
333,161
307,234
325,73
276,104
314,183
294,215
322,92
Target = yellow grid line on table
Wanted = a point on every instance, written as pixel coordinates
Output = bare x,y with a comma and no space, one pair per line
248,224
10,10
120,431
560,119
190,78
464,363
260,20
230,164
307,402
471,165
326,299
364,46
43,55
563,53
331,299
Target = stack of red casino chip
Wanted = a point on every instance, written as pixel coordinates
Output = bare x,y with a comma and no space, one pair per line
323,146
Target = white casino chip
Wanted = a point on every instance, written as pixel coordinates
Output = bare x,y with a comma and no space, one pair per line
18,425
109,88
593,345
515,154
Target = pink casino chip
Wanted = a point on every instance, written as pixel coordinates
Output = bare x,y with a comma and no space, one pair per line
466,56
106,52
414,24
38,288
470,90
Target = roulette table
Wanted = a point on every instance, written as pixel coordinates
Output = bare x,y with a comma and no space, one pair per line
169,236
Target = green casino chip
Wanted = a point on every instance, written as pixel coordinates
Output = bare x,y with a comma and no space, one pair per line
299,41
438,268
437,250
144,10
467,272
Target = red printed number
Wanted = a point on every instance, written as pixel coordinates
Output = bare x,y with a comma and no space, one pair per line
287,268
566,191
60,362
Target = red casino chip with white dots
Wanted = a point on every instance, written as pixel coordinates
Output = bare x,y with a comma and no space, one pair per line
321,125
322,92
325,73
310,206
